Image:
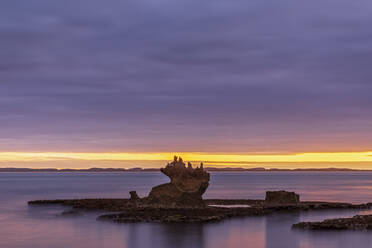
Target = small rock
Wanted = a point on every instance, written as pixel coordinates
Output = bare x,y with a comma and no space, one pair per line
133,196
281,198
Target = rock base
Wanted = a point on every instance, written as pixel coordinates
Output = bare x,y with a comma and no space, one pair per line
130,212
164,215
169,196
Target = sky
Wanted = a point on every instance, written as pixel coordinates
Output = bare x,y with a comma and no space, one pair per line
129,80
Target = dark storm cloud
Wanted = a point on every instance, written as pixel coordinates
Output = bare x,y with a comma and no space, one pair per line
134,75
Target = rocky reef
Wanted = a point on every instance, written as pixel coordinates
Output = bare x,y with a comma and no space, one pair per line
358,222
181,200
214,210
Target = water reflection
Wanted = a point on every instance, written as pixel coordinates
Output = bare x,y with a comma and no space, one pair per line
23,227
166,235
236,232
278,232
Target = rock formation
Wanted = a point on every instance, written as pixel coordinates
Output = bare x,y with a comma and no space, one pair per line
281,198
358,222
133,196
185,189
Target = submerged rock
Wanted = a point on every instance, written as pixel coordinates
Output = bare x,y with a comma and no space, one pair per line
358,222
71,212
281,198
185,189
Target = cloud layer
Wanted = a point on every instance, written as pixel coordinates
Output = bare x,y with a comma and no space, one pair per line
186,75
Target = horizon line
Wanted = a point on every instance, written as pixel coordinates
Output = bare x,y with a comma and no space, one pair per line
141,169
363,156
354,160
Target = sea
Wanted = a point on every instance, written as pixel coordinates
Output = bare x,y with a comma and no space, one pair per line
23,226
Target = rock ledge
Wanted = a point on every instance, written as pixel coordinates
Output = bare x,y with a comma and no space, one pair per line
358,222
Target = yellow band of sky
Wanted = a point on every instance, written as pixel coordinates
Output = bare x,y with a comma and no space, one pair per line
301,157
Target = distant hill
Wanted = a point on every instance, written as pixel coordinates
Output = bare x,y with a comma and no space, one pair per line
139,169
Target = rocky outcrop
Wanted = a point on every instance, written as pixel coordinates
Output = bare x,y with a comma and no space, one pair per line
186,187
358,222
281,198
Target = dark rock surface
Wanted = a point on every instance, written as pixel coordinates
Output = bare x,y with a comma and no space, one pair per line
358,222
180,214
130,213
281,198
185,189
87,204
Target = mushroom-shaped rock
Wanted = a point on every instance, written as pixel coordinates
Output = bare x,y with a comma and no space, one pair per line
185,189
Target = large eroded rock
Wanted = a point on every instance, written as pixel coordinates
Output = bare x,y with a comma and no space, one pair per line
185,189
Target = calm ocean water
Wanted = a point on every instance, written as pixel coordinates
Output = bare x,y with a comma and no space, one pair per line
22,226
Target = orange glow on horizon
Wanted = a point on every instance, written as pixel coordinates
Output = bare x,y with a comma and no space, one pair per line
233,158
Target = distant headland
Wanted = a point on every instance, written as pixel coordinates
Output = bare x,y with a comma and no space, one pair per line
210,169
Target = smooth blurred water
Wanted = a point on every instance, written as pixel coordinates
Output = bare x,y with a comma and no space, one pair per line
22,226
